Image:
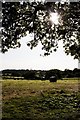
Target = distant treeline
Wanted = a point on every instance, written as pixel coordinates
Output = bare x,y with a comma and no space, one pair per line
40,74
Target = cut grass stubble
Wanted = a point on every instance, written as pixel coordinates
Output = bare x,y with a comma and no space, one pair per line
40,100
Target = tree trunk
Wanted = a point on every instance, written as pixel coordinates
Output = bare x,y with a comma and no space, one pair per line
79,63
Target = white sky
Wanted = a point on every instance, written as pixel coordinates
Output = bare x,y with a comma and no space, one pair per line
25,58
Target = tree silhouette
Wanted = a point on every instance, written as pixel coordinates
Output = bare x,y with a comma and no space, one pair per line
34,17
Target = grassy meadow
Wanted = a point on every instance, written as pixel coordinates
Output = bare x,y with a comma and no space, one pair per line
40,100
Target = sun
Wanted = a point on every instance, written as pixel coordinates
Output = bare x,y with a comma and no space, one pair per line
54,18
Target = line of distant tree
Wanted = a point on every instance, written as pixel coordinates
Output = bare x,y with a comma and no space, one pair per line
40,74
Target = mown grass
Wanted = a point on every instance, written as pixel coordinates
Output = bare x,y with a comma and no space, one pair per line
40,100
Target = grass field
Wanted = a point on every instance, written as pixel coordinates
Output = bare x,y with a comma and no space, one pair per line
40,100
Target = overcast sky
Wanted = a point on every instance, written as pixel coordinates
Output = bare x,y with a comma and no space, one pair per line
25,58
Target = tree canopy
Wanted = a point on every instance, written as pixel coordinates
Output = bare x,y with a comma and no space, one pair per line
34,17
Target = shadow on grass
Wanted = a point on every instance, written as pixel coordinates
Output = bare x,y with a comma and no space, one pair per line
51,106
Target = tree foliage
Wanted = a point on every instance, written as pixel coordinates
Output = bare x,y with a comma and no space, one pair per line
40,74
34,17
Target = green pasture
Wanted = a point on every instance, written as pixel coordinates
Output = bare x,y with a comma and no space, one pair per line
40,100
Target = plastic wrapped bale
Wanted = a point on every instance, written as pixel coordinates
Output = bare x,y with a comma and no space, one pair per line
53,79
